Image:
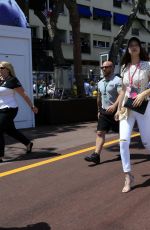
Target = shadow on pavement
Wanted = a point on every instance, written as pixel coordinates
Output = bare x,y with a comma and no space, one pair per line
146,183
142,157
38,226
135,144
48,131
107,161
45,153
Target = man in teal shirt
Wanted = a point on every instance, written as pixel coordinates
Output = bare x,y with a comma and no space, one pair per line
107,102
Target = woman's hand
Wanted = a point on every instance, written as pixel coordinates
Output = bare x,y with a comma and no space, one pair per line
139,99
116,116
34,109
111,109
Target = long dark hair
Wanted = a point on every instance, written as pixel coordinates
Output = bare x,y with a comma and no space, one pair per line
127,57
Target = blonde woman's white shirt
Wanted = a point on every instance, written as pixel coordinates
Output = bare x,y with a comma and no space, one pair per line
7,93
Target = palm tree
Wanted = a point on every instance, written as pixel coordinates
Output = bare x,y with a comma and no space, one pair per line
75,23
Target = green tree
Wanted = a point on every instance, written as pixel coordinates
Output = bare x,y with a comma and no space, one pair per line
51,23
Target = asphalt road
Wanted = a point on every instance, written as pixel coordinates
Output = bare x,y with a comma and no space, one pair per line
54,188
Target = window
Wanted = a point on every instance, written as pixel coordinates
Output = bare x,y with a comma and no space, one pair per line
33,32
45,34
148,48
107,44
50,5
143,44
70,37
148,25
117,3
62,35
85,44
95,43
135,31
128,1
106,24
104,16
141,9
100,44
61,8
46,40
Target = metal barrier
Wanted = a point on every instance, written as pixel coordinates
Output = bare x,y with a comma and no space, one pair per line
43,84
57,86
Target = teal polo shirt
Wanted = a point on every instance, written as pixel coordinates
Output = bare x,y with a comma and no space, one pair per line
109,90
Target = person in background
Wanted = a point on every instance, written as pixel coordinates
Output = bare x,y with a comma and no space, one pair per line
87,87
107,101
9,85
136,77
92,87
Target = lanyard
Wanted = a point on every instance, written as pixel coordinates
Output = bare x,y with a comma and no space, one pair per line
105,86
131,77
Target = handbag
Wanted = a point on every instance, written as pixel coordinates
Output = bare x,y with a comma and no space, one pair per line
139,109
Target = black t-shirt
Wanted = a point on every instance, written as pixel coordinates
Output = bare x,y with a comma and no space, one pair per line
10,83
7,92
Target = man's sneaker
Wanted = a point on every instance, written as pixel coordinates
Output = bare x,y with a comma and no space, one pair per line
94,157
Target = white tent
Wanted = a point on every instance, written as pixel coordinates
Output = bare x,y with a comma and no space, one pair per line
15,47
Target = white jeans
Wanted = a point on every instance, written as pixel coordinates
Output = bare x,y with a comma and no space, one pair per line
126,126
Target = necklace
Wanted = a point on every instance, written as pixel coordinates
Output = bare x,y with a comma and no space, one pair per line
105,86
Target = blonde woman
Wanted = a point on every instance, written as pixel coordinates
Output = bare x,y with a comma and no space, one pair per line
9,85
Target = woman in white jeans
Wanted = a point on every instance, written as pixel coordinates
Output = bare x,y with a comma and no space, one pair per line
136,76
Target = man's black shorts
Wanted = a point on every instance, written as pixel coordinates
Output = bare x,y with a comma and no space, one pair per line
107,122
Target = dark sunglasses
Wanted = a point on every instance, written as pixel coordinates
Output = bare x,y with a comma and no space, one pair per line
2,67
106,67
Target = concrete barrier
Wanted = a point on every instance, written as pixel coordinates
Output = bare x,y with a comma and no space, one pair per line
65,111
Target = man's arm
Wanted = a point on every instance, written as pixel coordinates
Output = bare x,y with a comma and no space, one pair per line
99,103
118,99
114,106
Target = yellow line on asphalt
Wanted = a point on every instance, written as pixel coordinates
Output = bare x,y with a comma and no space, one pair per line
34,165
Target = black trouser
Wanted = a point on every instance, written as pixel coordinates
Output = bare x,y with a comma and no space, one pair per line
7,126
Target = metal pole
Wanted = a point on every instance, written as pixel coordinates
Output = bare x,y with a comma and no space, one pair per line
48,5
37,93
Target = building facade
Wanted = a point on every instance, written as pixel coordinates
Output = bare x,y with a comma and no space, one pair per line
100,23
